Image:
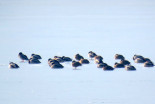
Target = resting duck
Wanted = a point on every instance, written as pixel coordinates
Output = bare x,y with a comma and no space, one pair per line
125,62
148,64
84,61
139,60
22,56
35,56
56,66
66,59
78,57
118,56
101,65
108,68
98,57
98,61
138,56
58,58
130,68
13,65
119,65
33,61
52,61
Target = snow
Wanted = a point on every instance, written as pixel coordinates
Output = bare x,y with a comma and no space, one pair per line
65,28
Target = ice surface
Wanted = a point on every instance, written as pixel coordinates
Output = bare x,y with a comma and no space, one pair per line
68,27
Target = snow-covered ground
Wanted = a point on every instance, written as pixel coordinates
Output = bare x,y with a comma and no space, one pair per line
68,27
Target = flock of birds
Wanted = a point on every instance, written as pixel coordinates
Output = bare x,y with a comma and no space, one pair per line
79,60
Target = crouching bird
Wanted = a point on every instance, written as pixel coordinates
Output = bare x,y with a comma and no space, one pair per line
13,65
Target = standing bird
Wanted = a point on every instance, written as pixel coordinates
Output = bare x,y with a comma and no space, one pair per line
76,64
22,56
91,54
13,65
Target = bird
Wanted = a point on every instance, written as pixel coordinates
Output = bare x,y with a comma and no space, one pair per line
118,65
139,60
148,64
66,59
98,57
130,68
98,61
108,68
33,61
78,57
84,61
119,56
101,65
22,56
58,58
52,61
35,56
91,54
76,64
56,66
13,65
138,56
125,62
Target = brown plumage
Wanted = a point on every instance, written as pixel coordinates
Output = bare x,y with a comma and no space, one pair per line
84,61
76,64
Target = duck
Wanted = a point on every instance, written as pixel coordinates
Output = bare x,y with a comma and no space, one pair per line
35,56
119,65
84,61
78,57
148,64
52,61
147,59
22,56
13,65
125,62
58,58
130,68
108,68
66,59
33,61
119,56
98,61
139,60
76,64
138,56
91,54
101,65
98,57
56,66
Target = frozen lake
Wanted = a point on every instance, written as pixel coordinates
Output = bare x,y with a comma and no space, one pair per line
68,27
